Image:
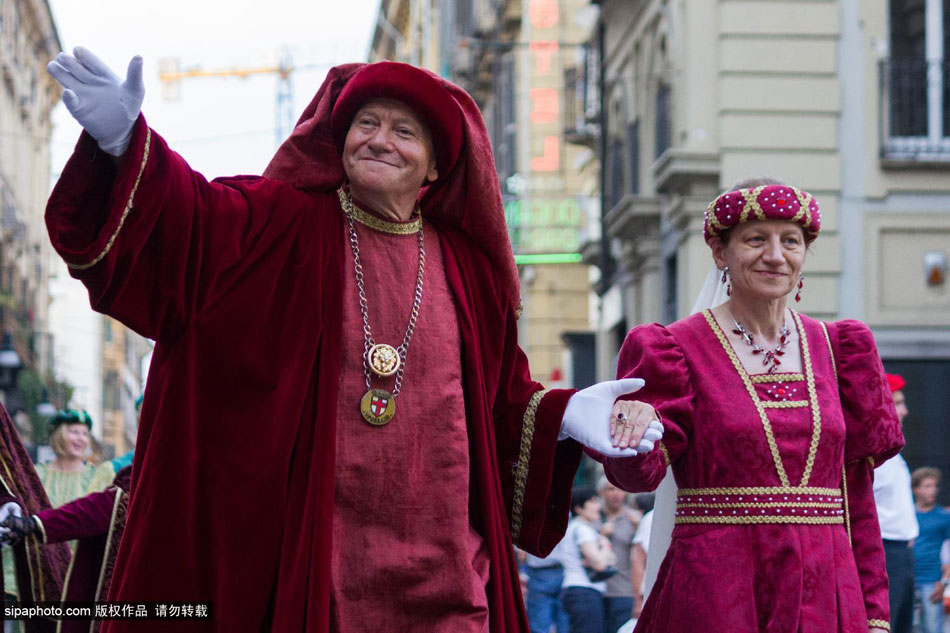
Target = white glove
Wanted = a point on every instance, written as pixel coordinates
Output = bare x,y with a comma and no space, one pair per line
103,104
8,509
587,418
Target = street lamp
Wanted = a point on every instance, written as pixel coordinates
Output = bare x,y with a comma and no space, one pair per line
45,408
10,363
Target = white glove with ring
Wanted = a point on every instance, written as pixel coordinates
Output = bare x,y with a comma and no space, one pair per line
591,419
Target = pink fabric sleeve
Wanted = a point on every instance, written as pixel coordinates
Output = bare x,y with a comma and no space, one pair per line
866,540
873,429
873,435
650,352
84,517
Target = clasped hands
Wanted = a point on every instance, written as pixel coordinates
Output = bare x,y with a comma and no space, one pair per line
14,527
614,428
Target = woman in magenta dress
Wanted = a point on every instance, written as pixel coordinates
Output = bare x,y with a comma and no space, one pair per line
773,425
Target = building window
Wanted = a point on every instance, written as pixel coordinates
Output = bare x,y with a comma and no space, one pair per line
662,119
915,87
615,159
633,147
671,279
507,121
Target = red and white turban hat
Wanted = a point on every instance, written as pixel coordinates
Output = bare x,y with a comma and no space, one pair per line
766,202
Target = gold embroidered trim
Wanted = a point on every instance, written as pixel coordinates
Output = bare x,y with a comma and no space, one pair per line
666,455
378,224
759,379
766,504
520,309
881,624
785,404
766,424
750,388
128,208
812,397
762,519
761,490
831,351
524,455
105,558
844,493
42,528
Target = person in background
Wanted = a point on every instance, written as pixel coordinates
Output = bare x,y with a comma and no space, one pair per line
69,476
96,521
543,602
930,577
898,519
619,526
638,551
585,549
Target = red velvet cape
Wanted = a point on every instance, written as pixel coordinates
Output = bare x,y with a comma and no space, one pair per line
239,282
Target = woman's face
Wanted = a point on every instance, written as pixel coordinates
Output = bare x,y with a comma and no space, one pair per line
77,440
765,258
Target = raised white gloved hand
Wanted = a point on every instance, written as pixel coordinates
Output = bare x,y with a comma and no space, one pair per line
587,418
104,105
8,509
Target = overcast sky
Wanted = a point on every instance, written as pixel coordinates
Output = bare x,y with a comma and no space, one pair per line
222,126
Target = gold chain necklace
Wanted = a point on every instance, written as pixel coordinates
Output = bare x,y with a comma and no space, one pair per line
378,406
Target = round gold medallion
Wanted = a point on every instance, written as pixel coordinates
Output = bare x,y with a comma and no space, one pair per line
383,359
378,407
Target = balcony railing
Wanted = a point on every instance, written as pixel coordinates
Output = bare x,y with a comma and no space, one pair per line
915,110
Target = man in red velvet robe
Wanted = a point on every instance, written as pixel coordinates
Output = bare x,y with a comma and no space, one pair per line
325,476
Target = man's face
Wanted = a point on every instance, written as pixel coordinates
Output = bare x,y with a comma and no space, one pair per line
613,497
900,404
388,150
926,491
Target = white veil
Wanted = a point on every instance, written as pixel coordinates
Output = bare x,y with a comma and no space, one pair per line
712,294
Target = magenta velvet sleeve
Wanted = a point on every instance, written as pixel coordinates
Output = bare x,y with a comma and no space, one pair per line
84,517
873,429
650,352
873,435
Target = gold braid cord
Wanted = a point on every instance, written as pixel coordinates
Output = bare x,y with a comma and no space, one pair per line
761,519
125,214
881,624
666,455
760,490
760,407
524,456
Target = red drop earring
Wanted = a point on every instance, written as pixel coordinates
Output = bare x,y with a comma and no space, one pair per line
727,281
801,284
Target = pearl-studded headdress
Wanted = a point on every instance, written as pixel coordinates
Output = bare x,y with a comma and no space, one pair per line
766,202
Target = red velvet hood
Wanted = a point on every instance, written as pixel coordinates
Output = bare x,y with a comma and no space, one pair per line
468,198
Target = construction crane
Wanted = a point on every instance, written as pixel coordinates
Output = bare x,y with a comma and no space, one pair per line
171,77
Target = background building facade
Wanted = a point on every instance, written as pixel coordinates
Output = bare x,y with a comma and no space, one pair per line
511,55
27,94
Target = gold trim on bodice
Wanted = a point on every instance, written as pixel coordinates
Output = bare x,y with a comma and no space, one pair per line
748,381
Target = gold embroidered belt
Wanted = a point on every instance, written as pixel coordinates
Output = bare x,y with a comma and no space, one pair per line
814,506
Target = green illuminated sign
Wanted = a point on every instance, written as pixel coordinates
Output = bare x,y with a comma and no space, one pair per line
544,226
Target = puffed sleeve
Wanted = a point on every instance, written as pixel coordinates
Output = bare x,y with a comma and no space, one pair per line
873,435
873,430
651,352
